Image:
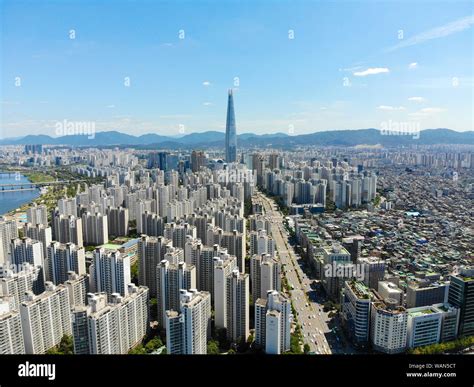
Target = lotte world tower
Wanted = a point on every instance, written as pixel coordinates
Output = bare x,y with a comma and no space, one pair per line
230,132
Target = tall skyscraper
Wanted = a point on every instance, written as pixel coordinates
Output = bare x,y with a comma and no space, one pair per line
230,131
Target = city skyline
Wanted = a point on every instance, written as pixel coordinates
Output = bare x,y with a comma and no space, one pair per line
275,177
292,70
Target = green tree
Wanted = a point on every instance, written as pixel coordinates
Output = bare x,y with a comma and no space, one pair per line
134,272
295,347
65,347
153,344
306,348
213,347
153,308
138,350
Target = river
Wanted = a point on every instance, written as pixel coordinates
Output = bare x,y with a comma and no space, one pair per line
12,200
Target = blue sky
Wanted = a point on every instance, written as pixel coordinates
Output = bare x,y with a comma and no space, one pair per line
302,66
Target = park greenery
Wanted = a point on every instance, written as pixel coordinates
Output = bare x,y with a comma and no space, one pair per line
65,347
149,345
449,346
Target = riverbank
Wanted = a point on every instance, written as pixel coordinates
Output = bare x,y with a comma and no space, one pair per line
16,201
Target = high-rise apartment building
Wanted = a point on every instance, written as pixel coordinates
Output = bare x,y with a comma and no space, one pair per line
261,243
110,272
113,328
171,279
45,318
42,233
11,335
8,231
273,323
237,306
95,228
388,326
356,305
151,251
63,258
117,218
26,250
37,214
265,275
18,283
67,228
461,295
188,330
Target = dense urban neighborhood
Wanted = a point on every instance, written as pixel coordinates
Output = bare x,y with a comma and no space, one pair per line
315,250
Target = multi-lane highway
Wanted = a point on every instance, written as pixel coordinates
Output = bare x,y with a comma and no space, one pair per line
310,314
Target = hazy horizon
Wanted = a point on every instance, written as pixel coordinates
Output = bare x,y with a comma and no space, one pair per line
218,131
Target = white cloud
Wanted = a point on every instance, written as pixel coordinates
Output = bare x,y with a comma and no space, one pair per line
208,104
110,106
206,83
431,110
427,112
390,108
413,66
371,71
435,33
417,99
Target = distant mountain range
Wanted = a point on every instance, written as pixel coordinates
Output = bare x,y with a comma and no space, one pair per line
281,140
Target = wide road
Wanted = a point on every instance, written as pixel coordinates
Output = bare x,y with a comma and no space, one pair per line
311,317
